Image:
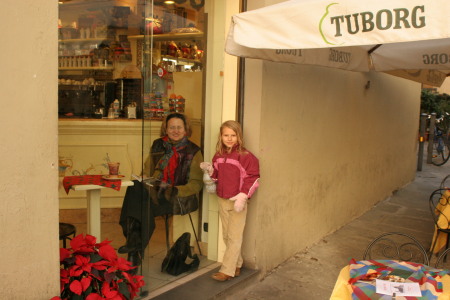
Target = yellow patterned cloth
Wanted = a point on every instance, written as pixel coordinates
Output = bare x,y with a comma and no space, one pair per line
442,223
345,285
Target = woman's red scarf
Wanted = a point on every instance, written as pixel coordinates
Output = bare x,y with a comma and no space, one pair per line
169,161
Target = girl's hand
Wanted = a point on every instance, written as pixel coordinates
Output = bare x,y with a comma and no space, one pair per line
206,166
239,201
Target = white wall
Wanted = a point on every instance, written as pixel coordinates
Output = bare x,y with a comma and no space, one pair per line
29,251
329,150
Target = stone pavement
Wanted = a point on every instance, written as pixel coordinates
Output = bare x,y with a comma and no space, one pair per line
311,274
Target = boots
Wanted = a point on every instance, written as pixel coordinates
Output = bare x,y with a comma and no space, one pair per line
134,242
136,260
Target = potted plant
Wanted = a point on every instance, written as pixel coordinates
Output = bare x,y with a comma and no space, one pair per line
92,271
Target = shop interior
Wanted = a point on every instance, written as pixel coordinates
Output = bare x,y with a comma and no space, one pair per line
124,65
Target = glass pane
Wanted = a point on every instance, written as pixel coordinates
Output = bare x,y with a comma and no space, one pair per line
173,44
124,65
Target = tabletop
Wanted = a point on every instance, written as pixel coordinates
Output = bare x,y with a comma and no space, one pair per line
89,182
434,283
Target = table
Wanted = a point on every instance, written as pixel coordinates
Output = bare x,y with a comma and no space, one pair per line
93,206
343,289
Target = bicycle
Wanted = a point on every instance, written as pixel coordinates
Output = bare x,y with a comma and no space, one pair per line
441,147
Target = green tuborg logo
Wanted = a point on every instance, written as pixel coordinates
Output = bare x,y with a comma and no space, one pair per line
367,21
321,21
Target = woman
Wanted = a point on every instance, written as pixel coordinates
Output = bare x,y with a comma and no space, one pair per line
176,180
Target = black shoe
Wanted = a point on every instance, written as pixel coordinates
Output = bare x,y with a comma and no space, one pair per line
127,249
136,260
133,236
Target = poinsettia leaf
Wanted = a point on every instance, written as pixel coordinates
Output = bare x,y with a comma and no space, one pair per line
76,297
69,261
77,242
90,240
109,277
107,291
76,287
94,296
88,290
108,252
82,245
123,289
95,273
95,257
64,253
75,271
105,242
85,283
123,264
81,260
64,273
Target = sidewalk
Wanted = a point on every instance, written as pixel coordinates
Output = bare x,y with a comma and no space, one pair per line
311,274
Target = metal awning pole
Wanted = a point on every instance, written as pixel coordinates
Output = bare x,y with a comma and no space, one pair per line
423,124
431,138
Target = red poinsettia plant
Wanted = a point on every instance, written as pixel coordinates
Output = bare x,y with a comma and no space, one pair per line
92,271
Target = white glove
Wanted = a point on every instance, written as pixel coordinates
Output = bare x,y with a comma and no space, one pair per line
240,200
206,166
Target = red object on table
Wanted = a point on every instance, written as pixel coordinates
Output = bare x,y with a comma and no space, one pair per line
69,181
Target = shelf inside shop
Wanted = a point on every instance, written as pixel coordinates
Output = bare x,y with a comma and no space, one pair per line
181,60
170,36
85,68
84,40
72,87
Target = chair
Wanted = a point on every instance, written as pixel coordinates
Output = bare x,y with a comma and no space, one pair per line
65,231
396,246
440,212
442,259
445,183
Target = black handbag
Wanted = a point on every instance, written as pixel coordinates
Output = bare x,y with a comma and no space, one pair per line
175,261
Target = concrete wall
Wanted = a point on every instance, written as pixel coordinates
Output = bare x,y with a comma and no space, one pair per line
329,149
445,87
29,251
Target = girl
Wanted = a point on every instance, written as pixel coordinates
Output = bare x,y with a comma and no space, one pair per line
236,172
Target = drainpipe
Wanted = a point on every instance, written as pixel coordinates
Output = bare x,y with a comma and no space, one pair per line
423,124
431,138
240,78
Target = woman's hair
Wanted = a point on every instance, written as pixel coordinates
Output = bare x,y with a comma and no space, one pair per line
182,117
236,127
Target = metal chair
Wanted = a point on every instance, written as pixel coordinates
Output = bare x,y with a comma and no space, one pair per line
65,231
440,212
442,260
397,246
445,183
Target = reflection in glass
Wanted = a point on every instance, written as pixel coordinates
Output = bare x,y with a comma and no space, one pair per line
123,67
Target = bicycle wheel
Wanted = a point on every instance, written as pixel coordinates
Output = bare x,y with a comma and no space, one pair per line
441,151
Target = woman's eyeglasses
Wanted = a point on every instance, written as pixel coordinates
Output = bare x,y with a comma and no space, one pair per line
173,128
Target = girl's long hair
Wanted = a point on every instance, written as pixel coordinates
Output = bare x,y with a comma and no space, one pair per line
236,127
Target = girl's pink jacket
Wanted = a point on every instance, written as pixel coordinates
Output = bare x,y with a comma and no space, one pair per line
235,173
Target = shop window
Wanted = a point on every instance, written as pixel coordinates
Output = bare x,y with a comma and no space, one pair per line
123,66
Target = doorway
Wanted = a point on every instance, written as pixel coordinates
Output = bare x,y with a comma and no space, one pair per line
123,66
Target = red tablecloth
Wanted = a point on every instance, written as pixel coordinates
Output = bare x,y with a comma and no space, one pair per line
69,181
